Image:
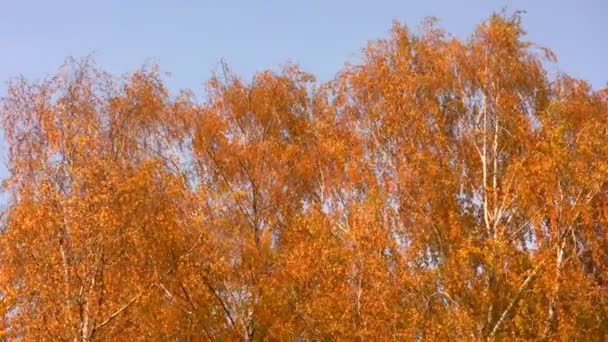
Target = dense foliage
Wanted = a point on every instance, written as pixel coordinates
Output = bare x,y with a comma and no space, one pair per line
438,190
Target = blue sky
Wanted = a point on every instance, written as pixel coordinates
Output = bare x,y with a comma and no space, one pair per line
188,38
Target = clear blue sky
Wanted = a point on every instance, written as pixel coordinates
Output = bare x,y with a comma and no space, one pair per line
188,38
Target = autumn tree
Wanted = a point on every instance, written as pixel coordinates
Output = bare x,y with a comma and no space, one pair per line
98,219
439,189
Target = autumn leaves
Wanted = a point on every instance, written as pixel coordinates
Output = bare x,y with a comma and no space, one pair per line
440,189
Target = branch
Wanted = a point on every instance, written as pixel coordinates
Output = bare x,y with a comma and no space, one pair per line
515,299
122,309
219,299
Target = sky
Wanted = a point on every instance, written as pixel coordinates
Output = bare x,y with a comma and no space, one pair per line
189,38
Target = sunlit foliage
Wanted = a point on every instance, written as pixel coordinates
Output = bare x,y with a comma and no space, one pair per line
439,189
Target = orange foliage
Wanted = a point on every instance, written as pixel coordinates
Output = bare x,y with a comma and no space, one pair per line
439,190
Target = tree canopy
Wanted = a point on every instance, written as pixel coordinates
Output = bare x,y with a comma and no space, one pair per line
439,189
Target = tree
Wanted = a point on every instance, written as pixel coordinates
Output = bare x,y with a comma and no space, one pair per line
438,189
